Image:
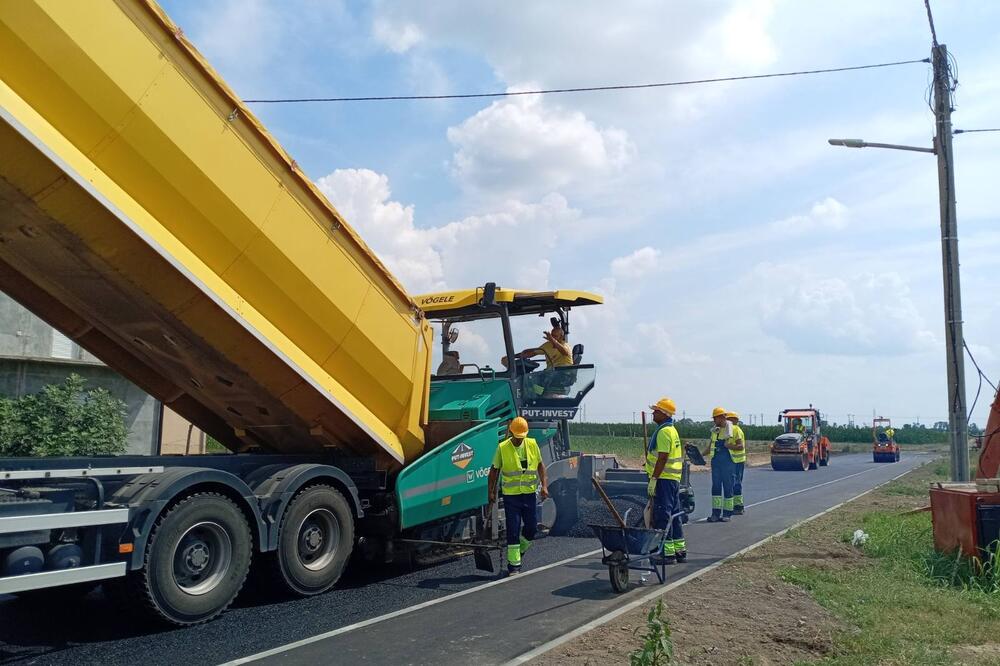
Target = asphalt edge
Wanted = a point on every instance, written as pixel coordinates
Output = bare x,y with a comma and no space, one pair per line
660,591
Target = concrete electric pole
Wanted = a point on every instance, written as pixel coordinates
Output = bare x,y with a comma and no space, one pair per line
958,418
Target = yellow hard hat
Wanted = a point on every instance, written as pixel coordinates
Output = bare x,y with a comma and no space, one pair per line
665,405
518,427
732,415
719,411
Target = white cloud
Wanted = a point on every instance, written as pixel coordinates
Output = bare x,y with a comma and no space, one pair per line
867,314
640,263
528,147
828,214
509,246
362,197
397,37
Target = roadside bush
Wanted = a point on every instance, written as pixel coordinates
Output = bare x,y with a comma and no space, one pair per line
65,419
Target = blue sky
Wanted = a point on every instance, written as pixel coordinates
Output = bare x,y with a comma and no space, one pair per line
745,262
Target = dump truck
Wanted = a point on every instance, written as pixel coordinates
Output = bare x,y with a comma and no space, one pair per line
801,446
884,446
146,213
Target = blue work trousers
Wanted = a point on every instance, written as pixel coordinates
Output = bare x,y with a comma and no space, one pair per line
738,483
520,512
667,501
723,475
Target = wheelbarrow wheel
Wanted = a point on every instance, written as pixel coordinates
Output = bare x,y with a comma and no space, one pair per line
618,572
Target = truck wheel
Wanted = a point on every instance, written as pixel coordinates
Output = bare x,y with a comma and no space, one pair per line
315,540
196,561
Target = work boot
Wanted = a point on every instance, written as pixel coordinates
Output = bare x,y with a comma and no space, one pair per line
681,556
513,571
738,510
714,518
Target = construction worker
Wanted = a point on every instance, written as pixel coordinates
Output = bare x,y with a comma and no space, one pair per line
890,433
450,365
720,457
664,463
739,455
518,465
557,353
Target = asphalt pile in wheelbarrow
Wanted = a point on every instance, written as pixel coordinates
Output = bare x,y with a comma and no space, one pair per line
594,512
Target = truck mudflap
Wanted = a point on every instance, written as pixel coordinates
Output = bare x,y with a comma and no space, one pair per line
450,479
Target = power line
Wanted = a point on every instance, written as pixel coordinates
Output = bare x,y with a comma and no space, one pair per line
638,86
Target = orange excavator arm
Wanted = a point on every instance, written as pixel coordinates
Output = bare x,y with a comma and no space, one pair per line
989,457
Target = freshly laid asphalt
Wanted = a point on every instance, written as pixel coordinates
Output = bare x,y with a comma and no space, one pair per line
489,625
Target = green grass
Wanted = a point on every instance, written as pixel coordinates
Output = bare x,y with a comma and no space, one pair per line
909,604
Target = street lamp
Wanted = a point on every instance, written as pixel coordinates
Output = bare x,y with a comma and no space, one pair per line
858,143
958,419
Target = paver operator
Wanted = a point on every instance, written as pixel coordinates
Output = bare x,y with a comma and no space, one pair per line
719,454
739,455
518,465
664,464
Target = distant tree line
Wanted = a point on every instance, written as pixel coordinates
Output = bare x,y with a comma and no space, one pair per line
688,429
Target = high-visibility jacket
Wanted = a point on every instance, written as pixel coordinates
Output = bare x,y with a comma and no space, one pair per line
518,476
720,435
890,433
665,440
739,456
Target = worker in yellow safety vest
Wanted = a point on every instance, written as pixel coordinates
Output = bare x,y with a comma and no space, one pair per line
739,455
664,465
719,454
890,433
518,466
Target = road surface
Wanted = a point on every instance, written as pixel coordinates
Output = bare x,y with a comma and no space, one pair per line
445,614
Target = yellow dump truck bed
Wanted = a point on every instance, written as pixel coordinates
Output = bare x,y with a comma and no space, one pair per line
145,212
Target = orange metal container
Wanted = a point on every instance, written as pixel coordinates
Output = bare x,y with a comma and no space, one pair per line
955,514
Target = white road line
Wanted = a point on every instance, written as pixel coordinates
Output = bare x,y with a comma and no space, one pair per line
501,581
659,591
803,490
403,611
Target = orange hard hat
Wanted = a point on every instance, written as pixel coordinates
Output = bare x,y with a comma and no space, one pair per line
518,427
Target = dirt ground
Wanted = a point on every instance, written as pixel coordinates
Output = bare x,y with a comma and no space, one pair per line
742,613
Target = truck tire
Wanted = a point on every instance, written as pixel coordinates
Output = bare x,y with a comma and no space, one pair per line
196,560
315,540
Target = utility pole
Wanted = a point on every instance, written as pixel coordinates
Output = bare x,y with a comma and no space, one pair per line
958,420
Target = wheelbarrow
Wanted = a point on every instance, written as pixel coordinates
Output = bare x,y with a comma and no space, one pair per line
625,548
